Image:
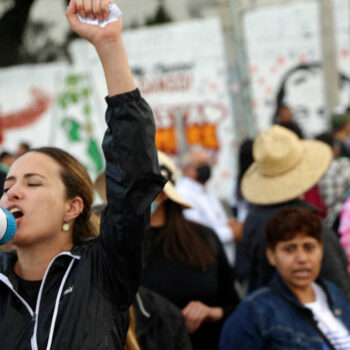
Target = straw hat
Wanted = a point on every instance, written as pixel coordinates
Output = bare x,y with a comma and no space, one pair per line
284,167
100,186
168,170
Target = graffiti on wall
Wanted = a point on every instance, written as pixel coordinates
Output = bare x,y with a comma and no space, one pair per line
25,116
301,89
285,59
197,123
77,120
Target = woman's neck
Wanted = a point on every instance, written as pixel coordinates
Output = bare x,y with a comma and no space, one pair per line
33,261
158,218
304,295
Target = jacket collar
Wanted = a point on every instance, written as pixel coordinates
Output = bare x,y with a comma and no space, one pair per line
277,285
7,261
9,258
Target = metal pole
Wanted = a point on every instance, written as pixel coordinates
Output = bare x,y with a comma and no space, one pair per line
238,77
329,54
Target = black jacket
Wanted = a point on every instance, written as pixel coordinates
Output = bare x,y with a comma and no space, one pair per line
251,261
85,293
159,323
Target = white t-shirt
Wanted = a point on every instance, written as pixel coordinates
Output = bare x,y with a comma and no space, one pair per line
331,327
208,211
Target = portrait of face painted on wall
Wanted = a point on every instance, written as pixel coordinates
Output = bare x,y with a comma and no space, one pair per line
302,89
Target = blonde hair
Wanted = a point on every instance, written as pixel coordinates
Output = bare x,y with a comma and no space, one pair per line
131,342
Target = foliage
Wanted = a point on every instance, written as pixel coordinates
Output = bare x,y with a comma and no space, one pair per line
25,41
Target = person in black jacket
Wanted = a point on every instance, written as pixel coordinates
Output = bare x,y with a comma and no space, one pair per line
185,263
62,289
159,324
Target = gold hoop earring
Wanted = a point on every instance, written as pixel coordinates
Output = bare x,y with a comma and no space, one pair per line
65,227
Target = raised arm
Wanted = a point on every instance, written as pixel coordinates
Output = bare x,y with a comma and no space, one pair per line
133,178
107,41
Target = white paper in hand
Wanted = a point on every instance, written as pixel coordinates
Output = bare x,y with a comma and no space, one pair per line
114,14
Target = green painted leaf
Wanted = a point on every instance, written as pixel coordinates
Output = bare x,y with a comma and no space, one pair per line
86,92
95,155
87,110
72,127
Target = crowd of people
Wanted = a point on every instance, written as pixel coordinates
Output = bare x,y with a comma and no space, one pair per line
162,263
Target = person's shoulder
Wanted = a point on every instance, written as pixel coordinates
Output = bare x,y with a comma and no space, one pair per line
337,296
260,301
257,298
157,304
263,301
333,290
258,295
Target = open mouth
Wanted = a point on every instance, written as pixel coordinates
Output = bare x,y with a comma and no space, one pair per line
16,213
305,273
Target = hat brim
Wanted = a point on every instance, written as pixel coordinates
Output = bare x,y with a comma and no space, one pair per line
265,190
100,186
169,190
172,194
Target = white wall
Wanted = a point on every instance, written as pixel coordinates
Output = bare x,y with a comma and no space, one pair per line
281,38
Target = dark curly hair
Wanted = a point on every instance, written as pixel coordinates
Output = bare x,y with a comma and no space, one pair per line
288,222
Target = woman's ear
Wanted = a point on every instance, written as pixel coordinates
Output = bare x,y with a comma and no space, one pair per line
270,254
74,208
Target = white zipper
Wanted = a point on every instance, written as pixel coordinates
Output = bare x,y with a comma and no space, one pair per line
33,340
141,306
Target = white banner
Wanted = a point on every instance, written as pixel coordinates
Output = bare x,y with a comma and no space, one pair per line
180,70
